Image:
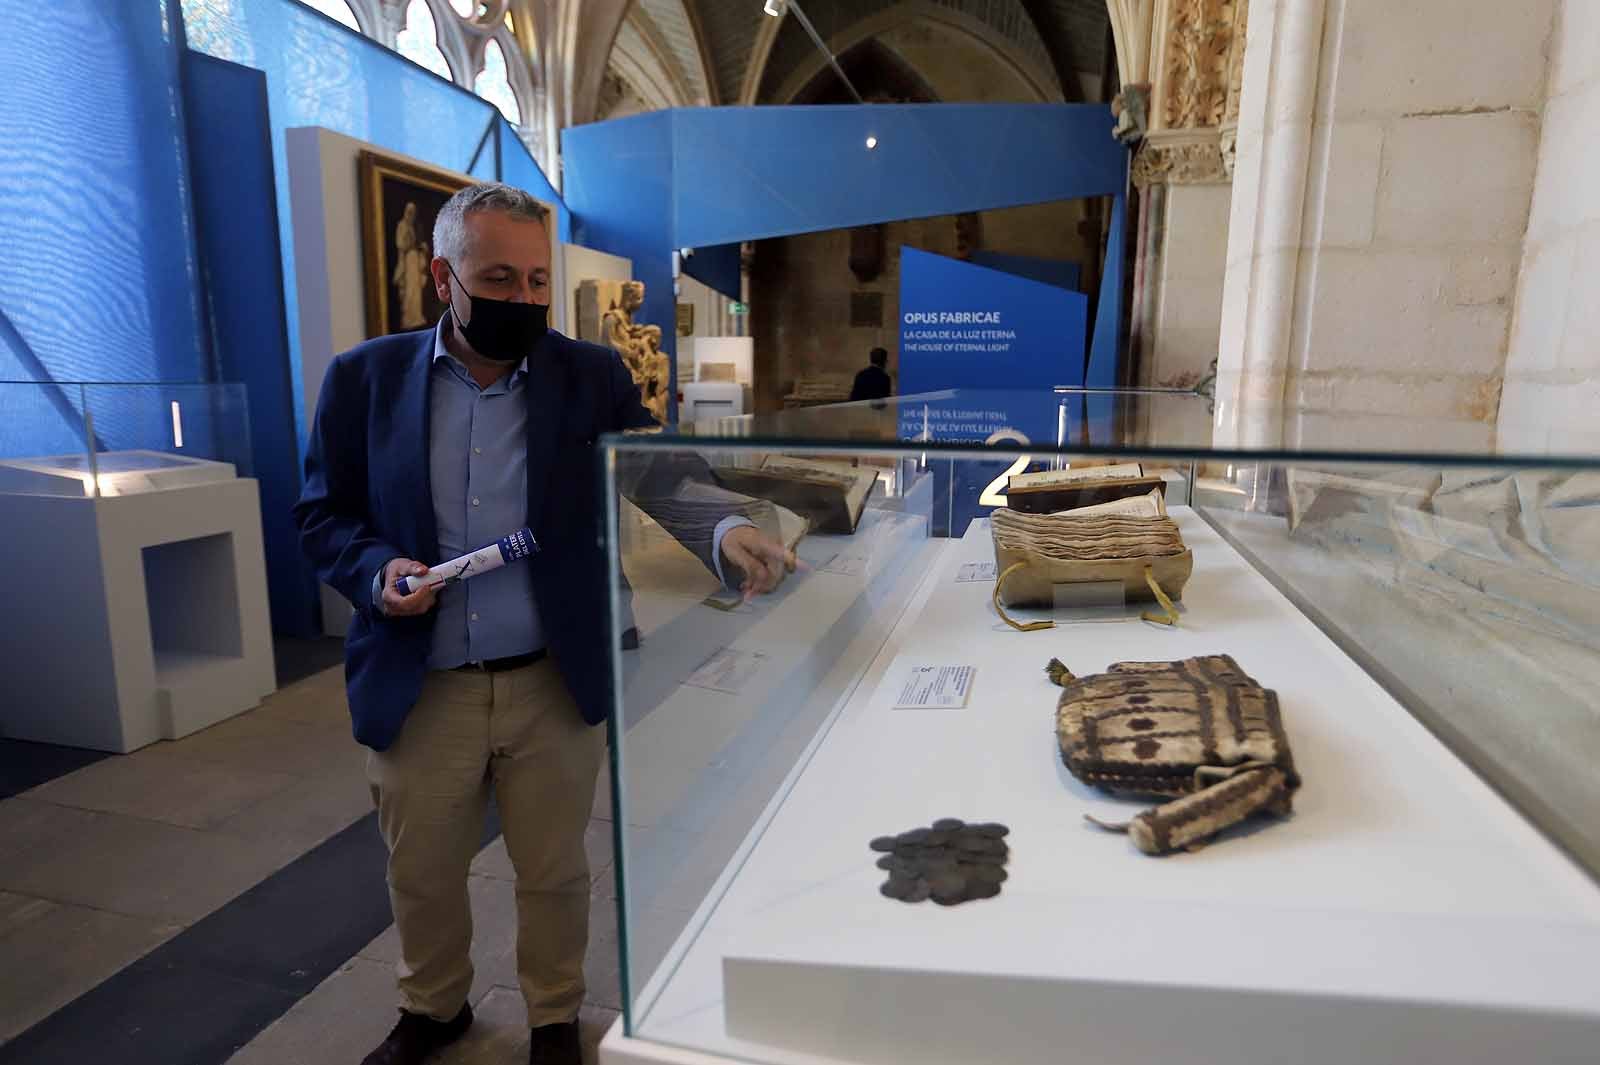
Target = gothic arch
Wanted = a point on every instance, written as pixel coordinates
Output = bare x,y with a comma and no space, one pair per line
1004,50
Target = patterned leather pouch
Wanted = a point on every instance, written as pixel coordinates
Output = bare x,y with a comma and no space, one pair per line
1200,732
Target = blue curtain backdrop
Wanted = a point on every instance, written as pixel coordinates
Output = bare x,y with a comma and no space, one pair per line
100,280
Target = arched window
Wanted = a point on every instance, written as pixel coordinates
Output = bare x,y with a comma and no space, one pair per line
494,83
419,41
338,10
469,8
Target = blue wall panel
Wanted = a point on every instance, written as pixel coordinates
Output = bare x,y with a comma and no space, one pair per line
716,265
746,173
1106,347
1033,338
618,184
1061,273
99,279
519,168
729,174
230,149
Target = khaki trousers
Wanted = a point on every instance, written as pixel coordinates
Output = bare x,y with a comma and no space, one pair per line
519,733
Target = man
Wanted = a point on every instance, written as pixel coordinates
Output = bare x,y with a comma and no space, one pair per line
873,382
430,444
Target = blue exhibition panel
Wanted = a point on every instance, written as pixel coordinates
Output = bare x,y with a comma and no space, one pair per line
746,173
100,279
967,326
1062,273
230,148
644,186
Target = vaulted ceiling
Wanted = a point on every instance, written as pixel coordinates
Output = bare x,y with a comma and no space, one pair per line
695,52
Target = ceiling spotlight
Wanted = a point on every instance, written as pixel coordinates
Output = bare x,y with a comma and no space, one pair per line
776,8
872,142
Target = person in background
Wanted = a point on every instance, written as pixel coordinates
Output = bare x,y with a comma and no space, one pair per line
427,445
873,382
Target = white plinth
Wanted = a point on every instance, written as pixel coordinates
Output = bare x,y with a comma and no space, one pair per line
135,618
1403,914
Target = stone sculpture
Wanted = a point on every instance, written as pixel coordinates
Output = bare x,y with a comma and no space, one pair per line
606,311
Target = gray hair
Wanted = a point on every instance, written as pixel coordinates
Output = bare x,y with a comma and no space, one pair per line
450,228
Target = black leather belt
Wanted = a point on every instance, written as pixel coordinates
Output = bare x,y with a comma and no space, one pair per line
500,665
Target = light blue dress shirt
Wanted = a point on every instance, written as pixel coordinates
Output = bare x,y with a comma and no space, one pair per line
478,466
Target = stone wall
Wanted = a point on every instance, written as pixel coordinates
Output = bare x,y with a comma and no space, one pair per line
1385,169
1190,263
1552,379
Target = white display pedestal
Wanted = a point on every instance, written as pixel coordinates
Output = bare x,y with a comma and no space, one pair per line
134,618
1403,914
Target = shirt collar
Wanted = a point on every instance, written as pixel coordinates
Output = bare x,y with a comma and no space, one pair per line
442,352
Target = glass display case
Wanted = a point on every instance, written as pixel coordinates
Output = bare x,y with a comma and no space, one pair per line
134,534
914,804
78,439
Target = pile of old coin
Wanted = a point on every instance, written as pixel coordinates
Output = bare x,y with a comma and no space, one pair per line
950,862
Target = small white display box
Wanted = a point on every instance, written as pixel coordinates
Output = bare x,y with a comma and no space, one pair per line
139,611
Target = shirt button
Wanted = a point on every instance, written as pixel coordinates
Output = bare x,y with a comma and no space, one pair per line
477,451
474,500
474,615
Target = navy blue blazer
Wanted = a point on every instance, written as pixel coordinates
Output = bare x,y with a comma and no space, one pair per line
367,499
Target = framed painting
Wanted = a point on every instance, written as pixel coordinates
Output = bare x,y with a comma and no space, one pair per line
399,202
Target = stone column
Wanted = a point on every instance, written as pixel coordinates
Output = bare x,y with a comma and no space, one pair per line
1183,172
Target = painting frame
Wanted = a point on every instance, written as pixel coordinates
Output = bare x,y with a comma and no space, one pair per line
374,169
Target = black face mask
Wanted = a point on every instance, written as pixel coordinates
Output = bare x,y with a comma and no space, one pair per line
501,331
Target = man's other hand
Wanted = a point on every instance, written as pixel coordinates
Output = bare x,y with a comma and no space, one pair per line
404,606
762,560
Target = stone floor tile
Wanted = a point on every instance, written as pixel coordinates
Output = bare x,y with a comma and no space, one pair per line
499,1032
597,844
494,936
198,795
602,975
494,862
63,952
300,818
123,864
19,910
347,1015
602,793
593,1023
317,700
265,743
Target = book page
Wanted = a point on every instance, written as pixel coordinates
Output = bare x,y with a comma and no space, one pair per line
1075,476
1151,505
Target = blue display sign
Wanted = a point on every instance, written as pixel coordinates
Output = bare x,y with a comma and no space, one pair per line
966,326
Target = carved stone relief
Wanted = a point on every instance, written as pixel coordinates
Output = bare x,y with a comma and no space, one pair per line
606,312
1186,162
1199,59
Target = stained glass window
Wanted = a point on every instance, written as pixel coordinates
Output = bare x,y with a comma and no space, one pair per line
419,41
494,84
338,10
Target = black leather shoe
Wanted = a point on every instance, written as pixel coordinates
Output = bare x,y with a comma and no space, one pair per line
416,1038
555,1044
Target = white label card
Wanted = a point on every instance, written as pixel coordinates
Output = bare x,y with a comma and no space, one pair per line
847,565
729,670
936,688
975,571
